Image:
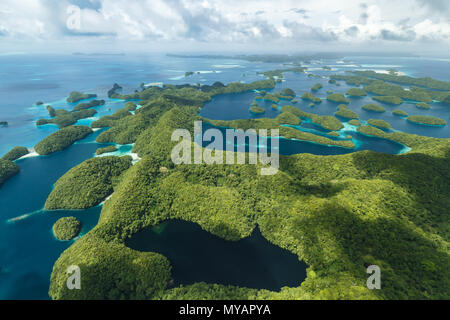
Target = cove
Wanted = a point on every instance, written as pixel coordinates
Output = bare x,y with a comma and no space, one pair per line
199,256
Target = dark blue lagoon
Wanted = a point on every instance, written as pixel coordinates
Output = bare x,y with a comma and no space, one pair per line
197,255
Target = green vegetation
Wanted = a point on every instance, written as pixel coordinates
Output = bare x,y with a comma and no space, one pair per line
278,74
351,79
67,228
189,73
130,106
327,122
39,103
421,82
61,139
400,113
345,112
374,108
107,149
7,170
338,97
317,87
257,109
337,213
289,118
288,92
310,97
355,122
381,124
87,105
271,97
333,134
432,121
388,99
423,105
274,106
15,153
87,184
63,118
356,92
51,111
76,96
382,88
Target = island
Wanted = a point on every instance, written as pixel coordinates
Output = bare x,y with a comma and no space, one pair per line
310,97
317,87
67,228
338,97
15,153
388,99
427,120
400,113
256,109
107,149
355,122
356,92
63,118
423,105
345,112
381,124
87,105
374,108
51,111
87,184
76,96
3,123
61,139
114,90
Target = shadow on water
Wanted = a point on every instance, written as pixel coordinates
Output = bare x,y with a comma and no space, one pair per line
197,255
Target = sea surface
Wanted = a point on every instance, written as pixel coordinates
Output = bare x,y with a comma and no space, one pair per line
28,248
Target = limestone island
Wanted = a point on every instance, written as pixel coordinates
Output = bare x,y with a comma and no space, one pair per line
76,96
67,228
399,113
107,149
338,97
427,120
373,107
62,139
15,153
388,99
381,124
345,112
423,105
356,92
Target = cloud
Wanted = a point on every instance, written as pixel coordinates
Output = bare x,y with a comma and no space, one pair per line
229,22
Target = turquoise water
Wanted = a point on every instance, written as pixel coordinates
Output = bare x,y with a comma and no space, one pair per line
197,255
27,246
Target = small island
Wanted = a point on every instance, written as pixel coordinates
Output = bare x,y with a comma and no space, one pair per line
310,97
423,105
3,123
388,99
87,105
427,120
67,228
256,109
62,139
356,92
15,153
107,149
87,184
374,108
317,87
345,112
76,96
355,122
399,113
338,97
381,124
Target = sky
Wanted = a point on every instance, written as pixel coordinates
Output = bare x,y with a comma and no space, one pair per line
277,26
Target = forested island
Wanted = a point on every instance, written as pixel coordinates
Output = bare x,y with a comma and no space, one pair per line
374,108
67,228
427,120
62,139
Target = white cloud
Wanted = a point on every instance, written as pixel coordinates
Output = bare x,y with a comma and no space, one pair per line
232,21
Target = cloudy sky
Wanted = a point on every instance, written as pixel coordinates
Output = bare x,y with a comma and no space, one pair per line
222,25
